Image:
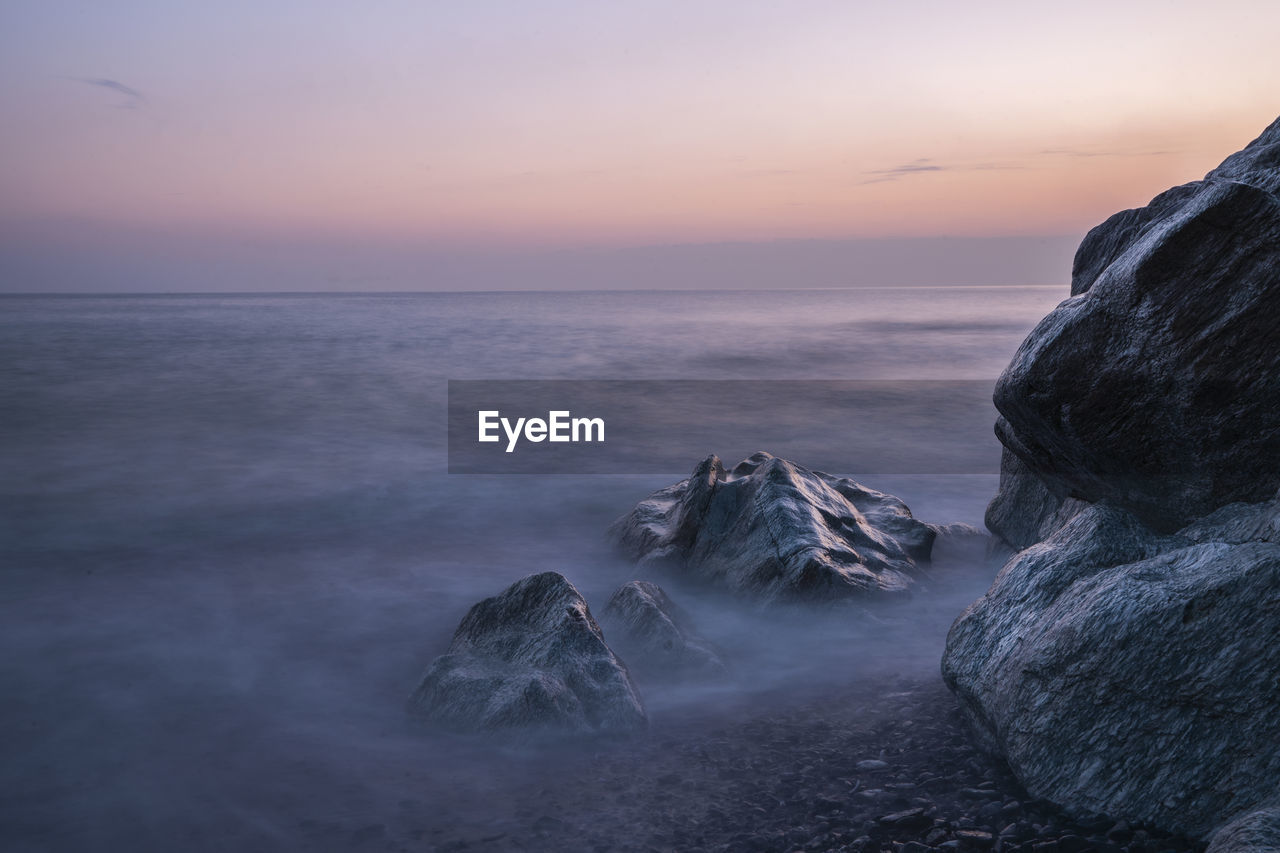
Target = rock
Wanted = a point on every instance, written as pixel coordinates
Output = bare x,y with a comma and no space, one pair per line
657,636
991,809
1130,673
975,837
960,544
530,659
958,531
1110,240
1257,165
1156,386
1255,832
775,531
1024,511
1073,844
907,818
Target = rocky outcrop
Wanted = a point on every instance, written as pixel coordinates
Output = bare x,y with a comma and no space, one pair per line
1024,511
530,660
1256,832
1156,386
657,636
1105,243
776,532
1126,672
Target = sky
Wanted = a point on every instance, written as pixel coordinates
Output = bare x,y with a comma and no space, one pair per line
495,145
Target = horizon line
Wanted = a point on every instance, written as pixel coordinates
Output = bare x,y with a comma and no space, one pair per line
407,292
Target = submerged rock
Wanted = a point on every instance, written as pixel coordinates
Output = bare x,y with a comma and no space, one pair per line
530,659
775,531
1125,672
657,636
1156,387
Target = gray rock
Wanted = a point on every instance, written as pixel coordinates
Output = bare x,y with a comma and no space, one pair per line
960,533
1257,165
1255,832
1125,672
1156,387
775,531
1110,240
531,659
657,636
1024,511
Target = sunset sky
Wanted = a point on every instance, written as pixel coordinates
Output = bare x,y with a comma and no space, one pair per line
425,145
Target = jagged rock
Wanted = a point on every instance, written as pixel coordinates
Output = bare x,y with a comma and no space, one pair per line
1256,832
657,636
1126,672
775,531
1156,387
958,531
530,659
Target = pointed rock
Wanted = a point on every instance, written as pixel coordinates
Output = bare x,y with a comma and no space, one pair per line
657,636
530,659
774,531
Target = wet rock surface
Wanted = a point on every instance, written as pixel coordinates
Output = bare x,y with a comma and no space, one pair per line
1156,387
774,531
657,637
884,766
1128,672
1024,510
530,660
1256,832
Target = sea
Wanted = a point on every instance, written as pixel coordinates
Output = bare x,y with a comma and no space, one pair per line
230,541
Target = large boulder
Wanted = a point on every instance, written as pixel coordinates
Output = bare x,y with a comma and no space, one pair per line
1156,386
531,660
776,532
1024,510
1255,832
658,636
1132,673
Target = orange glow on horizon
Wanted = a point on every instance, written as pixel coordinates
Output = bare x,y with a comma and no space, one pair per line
622,129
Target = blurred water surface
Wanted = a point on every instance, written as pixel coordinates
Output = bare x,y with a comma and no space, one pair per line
229,543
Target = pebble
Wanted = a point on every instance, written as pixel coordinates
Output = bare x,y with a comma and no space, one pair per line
788,781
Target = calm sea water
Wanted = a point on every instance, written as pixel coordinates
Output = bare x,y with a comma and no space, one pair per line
230,546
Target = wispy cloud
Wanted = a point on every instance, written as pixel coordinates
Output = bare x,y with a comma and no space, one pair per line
1085,152
926,164
879,176
132,97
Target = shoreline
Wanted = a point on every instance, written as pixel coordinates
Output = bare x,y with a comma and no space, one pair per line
886,765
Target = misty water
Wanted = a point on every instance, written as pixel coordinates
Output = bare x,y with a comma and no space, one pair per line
230,545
